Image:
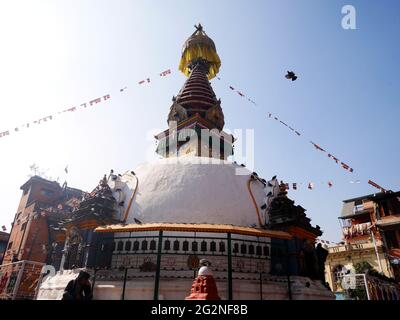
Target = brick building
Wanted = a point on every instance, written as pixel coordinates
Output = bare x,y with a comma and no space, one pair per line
371,234
35,233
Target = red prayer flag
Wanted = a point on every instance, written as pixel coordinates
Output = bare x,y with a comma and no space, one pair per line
164,73
283,123
336,159
345,166
95,101
317,147
376,185
5,133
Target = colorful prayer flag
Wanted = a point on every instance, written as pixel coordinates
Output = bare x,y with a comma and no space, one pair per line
165,73
374,184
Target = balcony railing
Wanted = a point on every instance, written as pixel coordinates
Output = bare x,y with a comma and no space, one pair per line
356,246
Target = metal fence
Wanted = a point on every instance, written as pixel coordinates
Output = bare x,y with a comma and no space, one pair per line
19,280
367,287
171,256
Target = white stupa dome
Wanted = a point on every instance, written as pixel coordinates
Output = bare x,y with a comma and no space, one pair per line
187,190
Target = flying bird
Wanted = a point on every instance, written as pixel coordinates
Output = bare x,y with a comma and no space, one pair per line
291,76
273,178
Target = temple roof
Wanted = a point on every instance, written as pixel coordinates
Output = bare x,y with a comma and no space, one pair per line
195,227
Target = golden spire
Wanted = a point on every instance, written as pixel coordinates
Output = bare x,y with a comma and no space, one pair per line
199,47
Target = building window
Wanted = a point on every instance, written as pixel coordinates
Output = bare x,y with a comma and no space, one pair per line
144,245
266,251
203,246
113,246
391,239
236,248
153,244
243,249
338,273
185,246
222,246
47,192
23,226
195,246
176,245
167,245
136,245
259,250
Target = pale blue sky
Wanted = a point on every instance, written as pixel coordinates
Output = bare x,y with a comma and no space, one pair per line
57,54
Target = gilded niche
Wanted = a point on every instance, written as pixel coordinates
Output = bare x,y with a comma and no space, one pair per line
216,116
177,112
